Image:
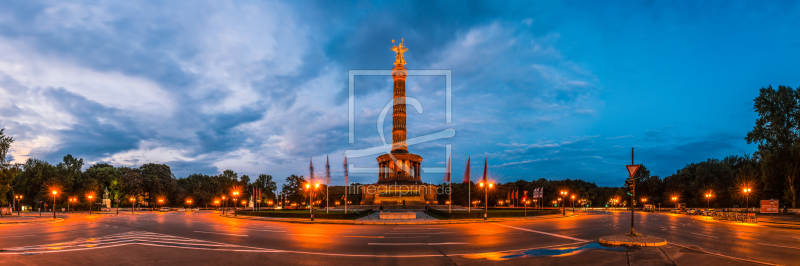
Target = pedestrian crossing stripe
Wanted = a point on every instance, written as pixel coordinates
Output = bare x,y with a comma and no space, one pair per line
130,238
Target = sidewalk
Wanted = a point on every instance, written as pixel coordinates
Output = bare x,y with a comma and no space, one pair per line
780,221
397,222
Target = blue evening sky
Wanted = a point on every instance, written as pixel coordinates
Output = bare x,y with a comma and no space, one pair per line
542,89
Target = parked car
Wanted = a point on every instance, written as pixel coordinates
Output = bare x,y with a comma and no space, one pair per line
708,212
692,211
164,209
675,210
196,209
181,209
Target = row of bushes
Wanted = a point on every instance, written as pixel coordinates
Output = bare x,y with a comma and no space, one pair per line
478,214
281,214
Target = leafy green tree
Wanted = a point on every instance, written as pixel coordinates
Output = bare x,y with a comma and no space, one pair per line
777,133
157,181
294,190
267,186
7,172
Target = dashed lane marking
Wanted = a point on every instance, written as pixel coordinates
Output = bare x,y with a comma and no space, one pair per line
15,236
416,244
778,246
544,233
204,232
703,235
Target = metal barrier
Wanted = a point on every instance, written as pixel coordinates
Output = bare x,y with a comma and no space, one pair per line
735,217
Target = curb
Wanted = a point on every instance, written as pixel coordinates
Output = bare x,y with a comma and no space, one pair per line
35,222
356,222
606,240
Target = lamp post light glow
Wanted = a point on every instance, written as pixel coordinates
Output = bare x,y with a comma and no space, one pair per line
573,204
486,195
226,205
708,200
675,201
54,203
747,197
19,204
133,203
235,206
563,208
91,200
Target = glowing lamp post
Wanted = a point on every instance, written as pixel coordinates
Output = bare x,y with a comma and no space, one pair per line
564,209
675,201
189,202
486,188
19,204
226,205
54,203
235,198
91,201
747,197
311,198
573,204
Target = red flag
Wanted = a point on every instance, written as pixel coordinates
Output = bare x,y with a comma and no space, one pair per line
517,196
485,164
327,171
310,170
345,171
447,171
509,195
466,172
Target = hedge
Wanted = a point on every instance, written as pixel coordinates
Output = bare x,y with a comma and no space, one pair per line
478,214
280,214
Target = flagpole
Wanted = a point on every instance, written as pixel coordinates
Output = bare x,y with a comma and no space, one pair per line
346,186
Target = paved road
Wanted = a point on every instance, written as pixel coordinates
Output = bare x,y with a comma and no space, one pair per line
204,237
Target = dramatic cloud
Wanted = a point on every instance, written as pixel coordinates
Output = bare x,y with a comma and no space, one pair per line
541,90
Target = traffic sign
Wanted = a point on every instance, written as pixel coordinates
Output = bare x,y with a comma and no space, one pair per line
632,169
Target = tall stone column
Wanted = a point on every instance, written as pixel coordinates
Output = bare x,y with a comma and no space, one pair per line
399,110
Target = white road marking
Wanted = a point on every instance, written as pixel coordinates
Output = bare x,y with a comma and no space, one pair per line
778,246
703,235
260,230
220,233
418,233
416,244
544,233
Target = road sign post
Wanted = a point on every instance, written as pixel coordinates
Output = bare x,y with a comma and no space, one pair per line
631,184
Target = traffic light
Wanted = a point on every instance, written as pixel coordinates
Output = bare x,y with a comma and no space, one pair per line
629,183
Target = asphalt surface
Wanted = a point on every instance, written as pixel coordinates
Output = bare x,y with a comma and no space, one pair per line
178,238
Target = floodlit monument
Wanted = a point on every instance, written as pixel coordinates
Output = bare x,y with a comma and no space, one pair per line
399,179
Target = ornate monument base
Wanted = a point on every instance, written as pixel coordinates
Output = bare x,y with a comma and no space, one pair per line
398,194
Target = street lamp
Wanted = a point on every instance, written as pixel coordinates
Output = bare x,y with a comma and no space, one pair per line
133,203
486,188
71,201
747,198
226,204
675,201
311,198
189,202
708,200
564,194
19,204
235,198
91,200
573,204
54,203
